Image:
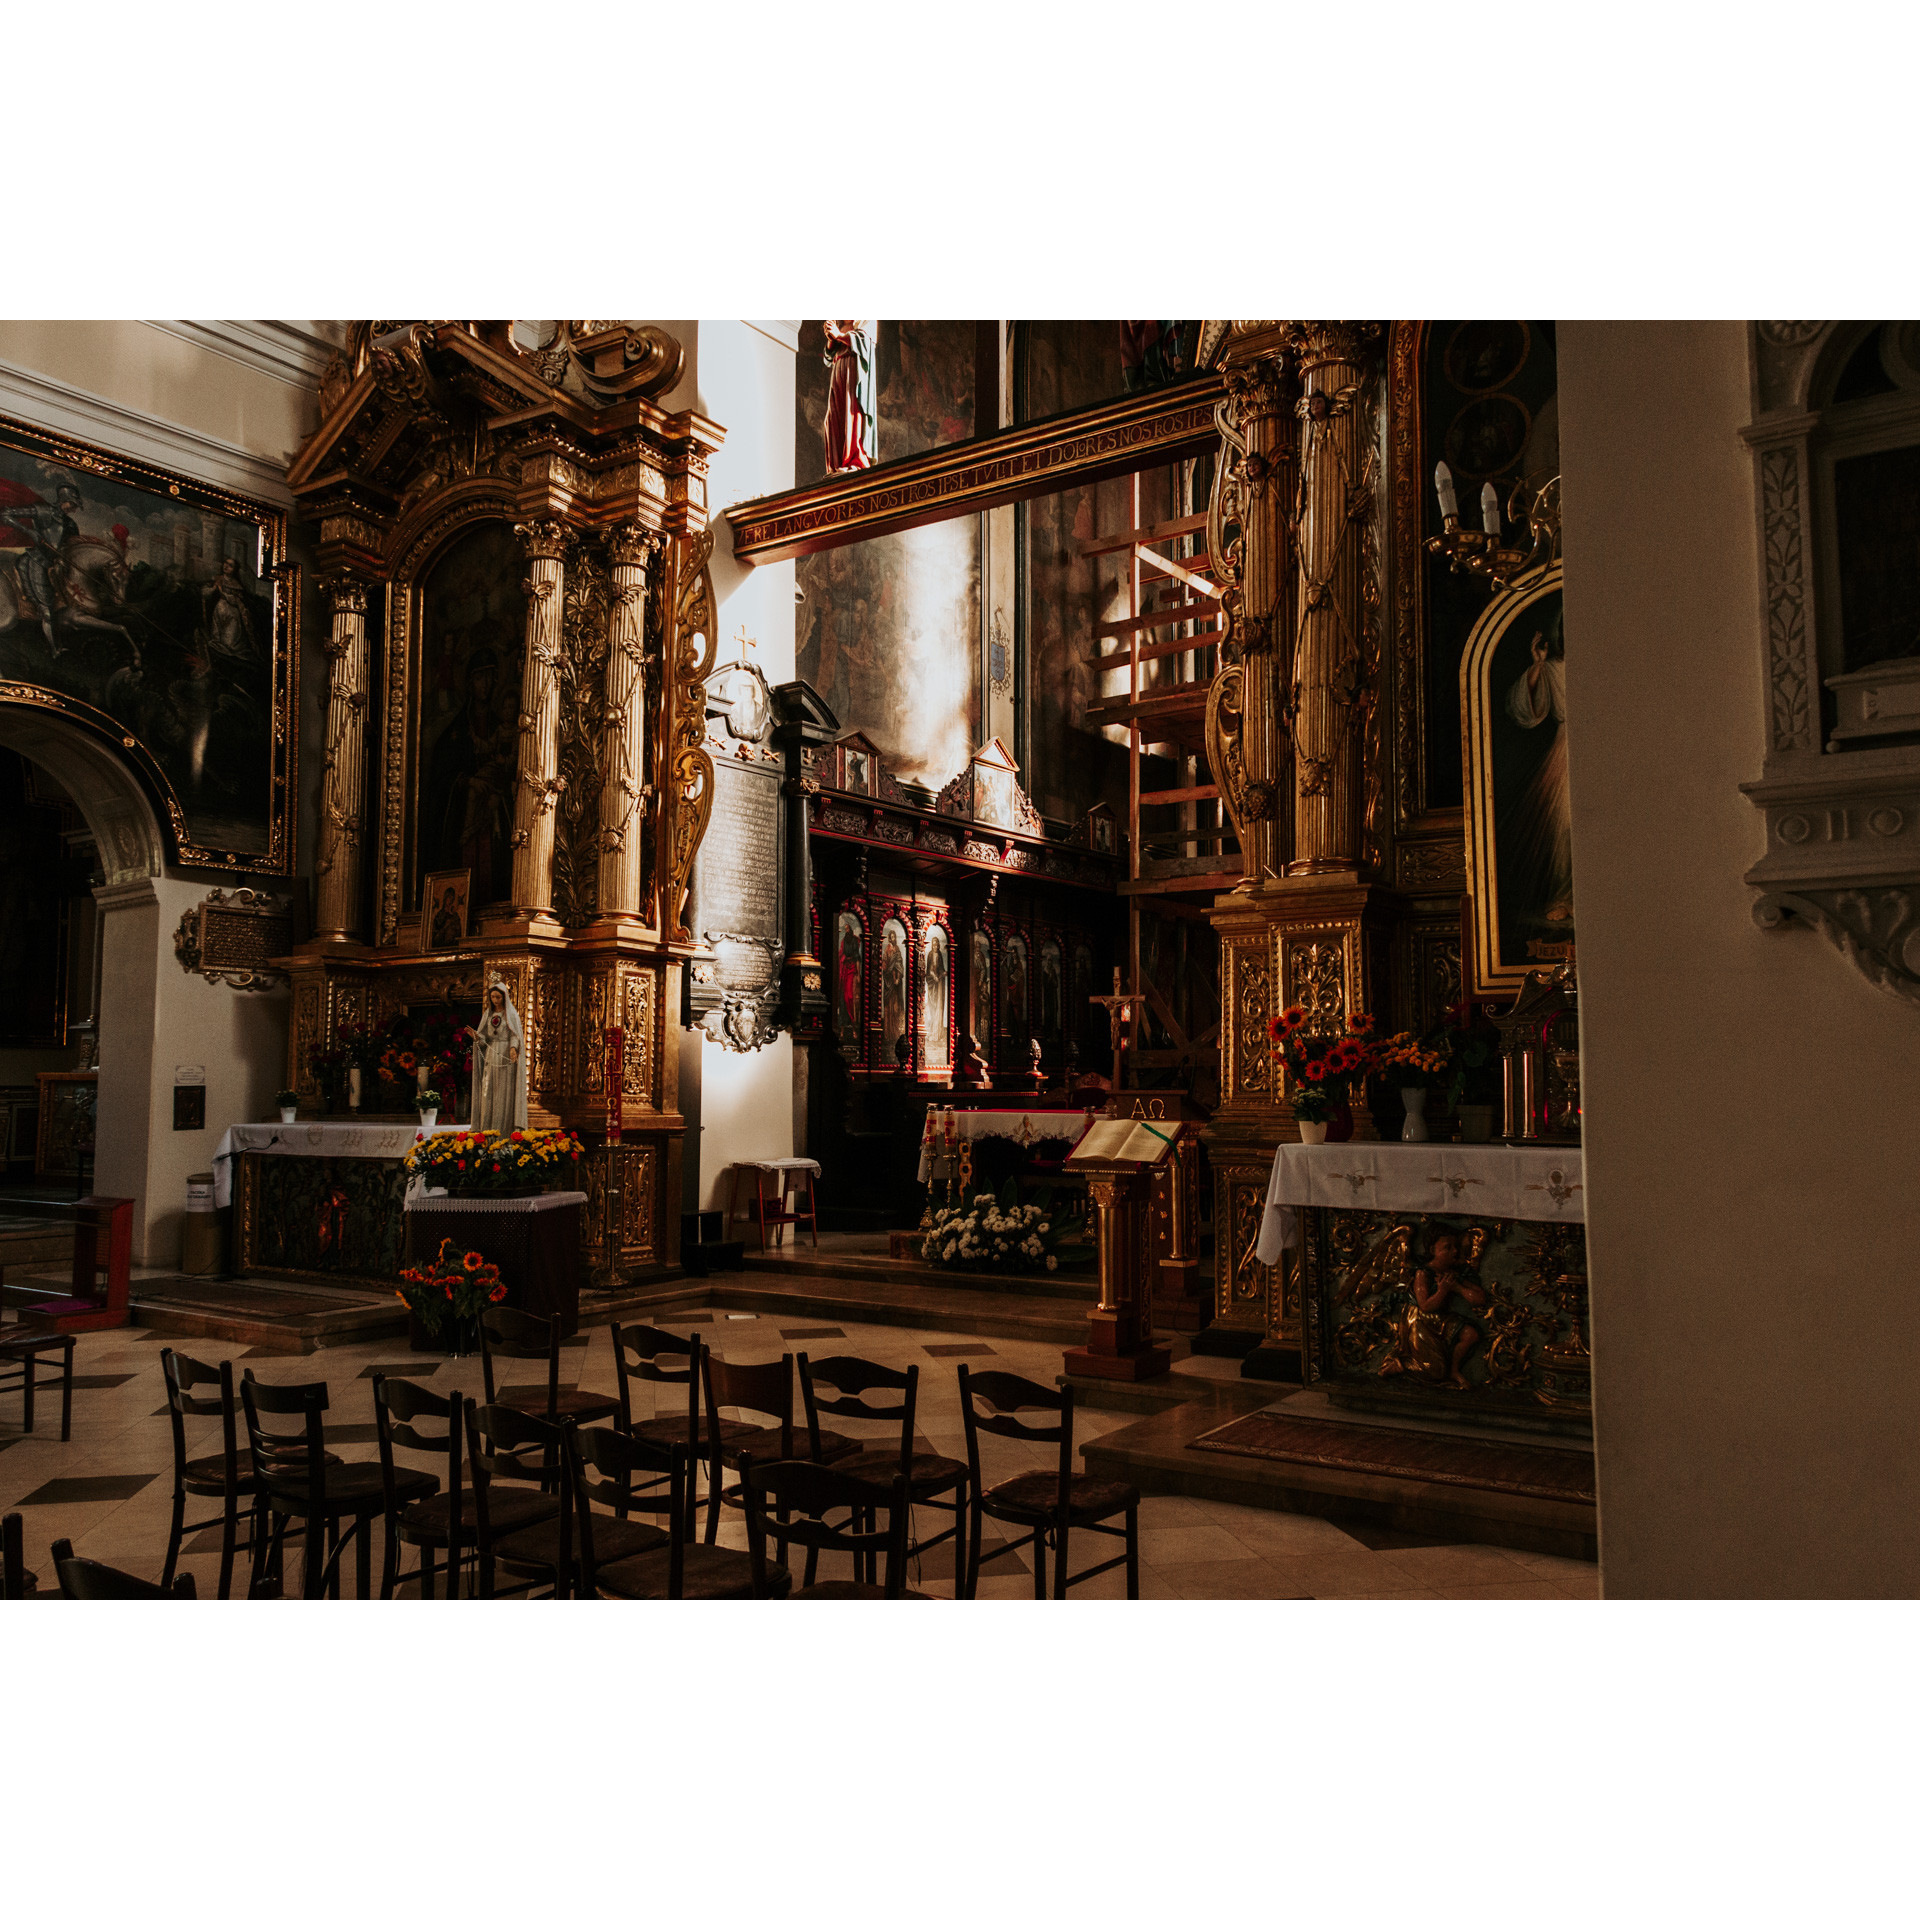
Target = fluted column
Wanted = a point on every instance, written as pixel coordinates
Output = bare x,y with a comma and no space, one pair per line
343,778
623,730
1330,669
1260,400
546,543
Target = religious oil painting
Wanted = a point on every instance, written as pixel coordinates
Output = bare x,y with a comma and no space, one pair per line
1520,838
154,611
859,772
1014,995
472,614
893,988
849,979
443,909
980,986
1049,990
936,972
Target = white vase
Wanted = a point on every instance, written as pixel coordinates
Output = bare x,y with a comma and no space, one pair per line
353,1088
288,1115
429,1119
1414,1099
1313,1133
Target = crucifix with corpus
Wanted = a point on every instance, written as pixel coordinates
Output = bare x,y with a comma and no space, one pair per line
1120,1017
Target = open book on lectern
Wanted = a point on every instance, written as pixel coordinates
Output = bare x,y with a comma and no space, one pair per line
1140,1142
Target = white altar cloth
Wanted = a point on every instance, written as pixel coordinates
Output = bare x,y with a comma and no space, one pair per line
435,1200
1399,1176
1025,1124
329,1139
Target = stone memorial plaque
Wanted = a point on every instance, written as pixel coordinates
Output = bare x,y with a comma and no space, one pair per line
240,939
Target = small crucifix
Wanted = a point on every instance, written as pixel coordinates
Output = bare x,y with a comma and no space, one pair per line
1120,1012
744,643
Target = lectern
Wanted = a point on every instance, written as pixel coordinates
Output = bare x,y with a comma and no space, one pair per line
1118,1157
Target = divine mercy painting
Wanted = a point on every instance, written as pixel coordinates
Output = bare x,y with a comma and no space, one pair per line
472,614
1520,821
144,601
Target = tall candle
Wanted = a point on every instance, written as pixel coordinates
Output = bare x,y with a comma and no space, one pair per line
1490,509
1443,486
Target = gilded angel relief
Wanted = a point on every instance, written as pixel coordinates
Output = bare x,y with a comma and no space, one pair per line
1424,1325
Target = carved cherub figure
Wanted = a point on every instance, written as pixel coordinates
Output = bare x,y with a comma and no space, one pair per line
1431,1337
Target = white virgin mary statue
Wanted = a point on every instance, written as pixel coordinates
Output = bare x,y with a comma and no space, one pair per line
499,1077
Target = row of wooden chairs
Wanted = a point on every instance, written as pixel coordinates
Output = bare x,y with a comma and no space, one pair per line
524,1469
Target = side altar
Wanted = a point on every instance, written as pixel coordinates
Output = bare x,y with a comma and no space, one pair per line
1438,1282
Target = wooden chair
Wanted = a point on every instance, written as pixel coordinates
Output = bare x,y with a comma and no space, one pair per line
685,1570
513,1335
768,1389
497,1436
226,1476
847,1380
803,1494
649,1353
1049,1502
442,1521
297,1479
22,1350
89,1580
16,1582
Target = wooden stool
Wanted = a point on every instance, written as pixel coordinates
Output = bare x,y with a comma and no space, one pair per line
786,1197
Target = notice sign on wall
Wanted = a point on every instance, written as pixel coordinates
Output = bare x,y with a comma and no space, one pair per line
189,1099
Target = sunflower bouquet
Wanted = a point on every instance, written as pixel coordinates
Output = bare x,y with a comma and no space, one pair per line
457,1288
470,1162
1325,1069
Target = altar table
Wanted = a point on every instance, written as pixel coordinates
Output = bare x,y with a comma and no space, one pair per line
329,1139
1023,1124
1402,1176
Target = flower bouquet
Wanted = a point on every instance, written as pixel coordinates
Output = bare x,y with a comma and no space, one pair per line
494,1165
446,1298
1004,1235
1325,1068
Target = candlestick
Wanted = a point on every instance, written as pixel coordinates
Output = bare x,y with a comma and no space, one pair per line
1443,486
1490,509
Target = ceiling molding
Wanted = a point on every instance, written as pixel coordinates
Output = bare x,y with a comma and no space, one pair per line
45,402
291,350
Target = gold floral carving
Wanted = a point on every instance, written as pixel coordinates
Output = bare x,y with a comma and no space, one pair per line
1317,981
580,670
637,1049
1252,1009
689,782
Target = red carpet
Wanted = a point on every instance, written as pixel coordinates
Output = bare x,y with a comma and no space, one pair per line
1545,1473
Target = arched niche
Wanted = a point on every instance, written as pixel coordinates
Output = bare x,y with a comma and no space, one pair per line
125,829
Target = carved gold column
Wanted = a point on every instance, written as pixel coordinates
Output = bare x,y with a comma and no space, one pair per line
1251,541
344,771
546,543
1330,669
623,733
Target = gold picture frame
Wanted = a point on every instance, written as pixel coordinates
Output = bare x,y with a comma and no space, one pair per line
1519,859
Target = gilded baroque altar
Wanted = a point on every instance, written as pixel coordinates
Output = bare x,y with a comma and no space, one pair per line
513,547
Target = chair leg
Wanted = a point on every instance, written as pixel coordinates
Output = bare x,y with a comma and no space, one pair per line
173,1538
229,1541
1133,1552
1039,1564
66,1397
426,1572
959,1539
389,1561
1060,1563
362,1560
972,1555
28,1363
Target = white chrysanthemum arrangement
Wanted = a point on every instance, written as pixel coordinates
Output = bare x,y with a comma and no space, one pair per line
989,1232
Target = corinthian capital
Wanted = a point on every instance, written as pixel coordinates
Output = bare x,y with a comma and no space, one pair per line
544,539
1319,343
633,546
343,592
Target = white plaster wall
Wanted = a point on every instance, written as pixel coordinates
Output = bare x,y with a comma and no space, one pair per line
1751,1147
740,373
156,1018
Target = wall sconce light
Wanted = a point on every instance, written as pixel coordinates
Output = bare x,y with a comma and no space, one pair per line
1478,550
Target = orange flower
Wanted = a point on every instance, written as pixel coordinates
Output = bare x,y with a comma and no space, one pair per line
1293,1017
407,1060
473,1263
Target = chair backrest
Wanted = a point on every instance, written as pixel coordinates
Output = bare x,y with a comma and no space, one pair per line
614,1458
398,1407
639,1354
838,1386
287,1435
183,1373
1005,1395
89,1580
13,1558
803,1493
514,1335
495,1434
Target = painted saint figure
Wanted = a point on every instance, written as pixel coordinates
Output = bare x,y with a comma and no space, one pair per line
1015,997
851,421
499,1079
893,986
934,1018
1544,818
850,978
